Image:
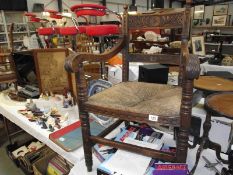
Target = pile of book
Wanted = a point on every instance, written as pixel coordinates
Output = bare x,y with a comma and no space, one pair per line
58,166
134,134
116,161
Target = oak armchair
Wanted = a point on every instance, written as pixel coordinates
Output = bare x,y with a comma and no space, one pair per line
137,101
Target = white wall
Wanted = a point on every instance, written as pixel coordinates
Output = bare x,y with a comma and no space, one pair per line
48,5
209,14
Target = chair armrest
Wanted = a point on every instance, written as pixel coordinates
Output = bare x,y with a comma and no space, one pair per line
72,62
192,65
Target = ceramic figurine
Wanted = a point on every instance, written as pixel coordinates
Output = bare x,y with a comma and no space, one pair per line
29,114
51,121
57,123
70,99
65,102
44,126
63,118
31,106
44,117
51,128
54,111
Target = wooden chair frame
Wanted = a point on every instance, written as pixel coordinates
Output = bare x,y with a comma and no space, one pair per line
189,70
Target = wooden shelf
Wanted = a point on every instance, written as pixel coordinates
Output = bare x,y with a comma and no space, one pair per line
151,42
19,32
18,18
18,41
217,44
17,23
3,42
213,27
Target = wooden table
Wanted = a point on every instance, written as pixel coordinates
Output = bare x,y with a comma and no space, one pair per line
218,104
213,84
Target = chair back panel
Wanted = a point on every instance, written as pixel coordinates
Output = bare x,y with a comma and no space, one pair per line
161,18
160,58
157,19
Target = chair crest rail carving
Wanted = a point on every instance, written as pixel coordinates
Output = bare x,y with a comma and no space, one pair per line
154,20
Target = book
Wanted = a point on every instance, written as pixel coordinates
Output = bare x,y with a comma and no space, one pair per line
159,167
70,137
136,164
58,166
171,169
103,152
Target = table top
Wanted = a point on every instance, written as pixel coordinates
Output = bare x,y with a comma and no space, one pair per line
221,103
9,109
213,84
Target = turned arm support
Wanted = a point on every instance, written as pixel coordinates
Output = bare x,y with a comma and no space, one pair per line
191,66
72,62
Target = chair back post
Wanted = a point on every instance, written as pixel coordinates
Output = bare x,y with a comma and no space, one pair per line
188,3
125,62
184,43
187,91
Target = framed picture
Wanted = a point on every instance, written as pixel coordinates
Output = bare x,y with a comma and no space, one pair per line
219,20
198,45
199,11
220,9
50,72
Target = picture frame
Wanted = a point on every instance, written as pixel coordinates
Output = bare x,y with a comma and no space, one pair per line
199,11
219,20
198,45
221,9
50,72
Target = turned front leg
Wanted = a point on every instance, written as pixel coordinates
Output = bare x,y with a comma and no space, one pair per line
87,144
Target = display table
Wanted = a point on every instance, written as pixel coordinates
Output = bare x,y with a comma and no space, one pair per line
9,109
206,67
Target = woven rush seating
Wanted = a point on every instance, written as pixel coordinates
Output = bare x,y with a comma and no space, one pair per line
139,97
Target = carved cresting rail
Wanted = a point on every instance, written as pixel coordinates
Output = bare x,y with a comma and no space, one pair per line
161,19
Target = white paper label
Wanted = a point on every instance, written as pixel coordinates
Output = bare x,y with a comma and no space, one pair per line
153,118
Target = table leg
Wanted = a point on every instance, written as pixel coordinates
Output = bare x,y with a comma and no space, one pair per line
204,140
196,141
217,149
230,139
7,129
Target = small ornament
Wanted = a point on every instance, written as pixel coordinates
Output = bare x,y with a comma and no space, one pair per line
51,128
31,106
44,126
